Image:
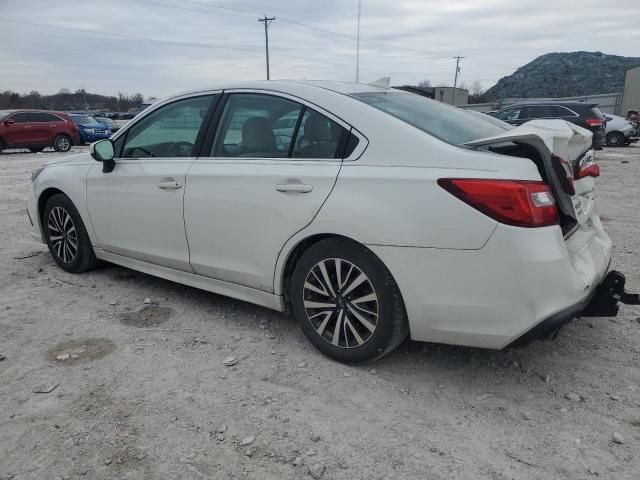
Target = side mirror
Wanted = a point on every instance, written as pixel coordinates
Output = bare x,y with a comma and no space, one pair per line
103,151
10,122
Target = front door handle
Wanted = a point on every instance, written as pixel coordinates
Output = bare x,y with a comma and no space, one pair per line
172,185
294,187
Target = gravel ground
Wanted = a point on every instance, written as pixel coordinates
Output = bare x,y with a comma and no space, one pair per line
142,391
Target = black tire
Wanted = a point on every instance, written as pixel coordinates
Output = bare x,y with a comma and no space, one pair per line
36,149
615,139
62,143
391,326
84,258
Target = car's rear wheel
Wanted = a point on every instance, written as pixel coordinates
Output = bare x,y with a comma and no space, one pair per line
615,139
62,143
346,301
67,236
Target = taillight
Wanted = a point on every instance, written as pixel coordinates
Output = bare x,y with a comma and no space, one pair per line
587,166
563,170
594,122
513,202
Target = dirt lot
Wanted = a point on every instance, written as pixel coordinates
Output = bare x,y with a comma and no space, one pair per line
143,393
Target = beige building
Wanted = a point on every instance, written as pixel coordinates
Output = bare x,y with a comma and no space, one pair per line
450,95
631,94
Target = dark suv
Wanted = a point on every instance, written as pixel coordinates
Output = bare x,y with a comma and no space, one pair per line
37,129
586,115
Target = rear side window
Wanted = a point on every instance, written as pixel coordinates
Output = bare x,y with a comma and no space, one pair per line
538,111
562,112
44,117
447,123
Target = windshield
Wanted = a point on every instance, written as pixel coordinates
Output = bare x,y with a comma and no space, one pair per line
84,119
4,113
443,121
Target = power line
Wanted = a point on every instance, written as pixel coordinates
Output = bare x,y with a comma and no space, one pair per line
267,21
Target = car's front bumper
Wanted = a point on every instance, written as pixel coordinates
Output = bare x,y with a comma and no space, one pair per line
492,296
94,137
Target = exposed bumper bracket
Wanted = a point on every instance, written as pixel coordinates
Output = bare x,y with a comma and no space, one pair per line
603,301
610,294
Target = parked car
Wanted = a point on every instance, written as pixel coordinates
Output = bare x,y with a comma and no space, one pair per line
586,115
90,129
111,124
392,215
634,118
619,130
36,130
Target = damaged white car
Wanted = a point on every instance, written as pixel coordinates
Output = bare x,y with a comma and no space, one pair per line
371,214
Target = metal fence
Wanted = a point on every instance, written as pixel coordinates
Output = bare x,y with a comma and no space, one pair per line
607,103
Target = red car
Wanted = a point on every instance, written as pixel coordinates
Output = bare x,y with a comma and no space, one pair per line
37,129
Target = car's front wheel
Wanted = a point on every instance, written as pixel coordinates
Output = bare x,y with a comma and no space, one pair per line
62,143
67,236
347,302
615,139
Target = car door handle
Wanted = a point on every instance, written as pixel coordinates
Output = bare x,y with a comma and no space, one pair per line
294,187
173,185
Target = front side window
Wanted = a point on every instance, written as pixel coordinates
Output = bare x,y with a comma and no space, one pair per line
21,117
266,126
447,123
170,131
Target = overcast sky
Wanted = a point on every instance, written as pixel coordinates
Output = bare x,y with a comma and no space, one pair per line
158,47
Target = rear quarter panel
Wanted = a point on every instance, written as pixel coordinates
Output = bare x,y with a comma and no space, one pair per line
390,197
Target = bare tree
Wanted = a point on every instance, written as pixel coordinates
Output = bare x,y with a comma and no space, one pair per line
476,94
424,83
476,88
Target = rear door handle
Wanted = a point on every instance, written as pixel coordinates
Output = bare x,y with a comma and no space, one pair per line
294,187
172,185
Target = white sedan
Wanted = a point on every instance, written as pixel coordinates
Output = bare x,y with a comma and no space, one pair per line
372,215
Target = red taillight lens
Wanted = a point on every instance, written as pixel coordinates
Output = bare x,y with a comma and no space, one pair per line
592,170
513,202
594,122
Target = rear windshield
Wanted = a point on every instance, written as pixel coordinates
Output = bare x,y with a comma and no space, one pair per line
450,124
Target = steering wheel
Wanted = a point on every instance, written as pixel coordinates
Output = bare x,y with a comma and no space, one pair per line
180,149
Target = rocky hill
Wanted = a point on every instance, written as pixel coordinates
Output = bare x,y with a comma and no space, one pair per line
565,75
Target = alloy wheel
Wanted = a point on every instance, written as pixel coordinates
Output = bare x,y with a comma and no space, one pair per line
62,143
341,303
62,234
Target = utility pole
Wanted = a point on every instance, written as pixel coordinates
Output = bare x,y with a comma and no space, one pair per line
358,43
455,80
266,20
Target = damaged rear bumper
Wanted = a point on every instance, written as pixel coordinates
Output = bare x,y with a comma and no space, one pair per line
603,301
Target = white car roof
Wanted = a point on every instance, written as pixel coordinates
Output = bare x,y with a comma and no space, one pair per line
291,86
